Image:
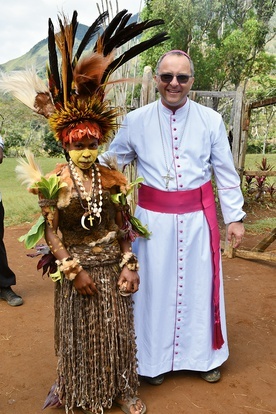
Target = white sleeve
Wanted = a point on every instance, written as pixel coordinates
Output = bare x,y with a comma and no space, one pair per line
120,147
226,176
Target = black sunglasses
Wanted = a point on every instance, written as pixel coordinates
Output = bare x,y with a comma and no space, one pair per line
168,77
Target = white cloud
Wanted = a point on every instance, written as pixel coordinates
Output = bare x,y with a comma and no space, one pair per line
25,23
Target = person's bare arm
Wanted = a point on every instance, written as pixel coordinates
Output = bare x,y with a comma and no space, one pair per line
83,282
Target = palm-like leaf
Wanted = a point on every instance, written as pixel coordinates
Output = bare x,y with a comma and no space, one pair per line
35,234
49,187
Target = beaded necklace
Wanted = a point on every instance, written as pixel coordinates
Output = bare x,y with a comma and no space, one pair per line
94,207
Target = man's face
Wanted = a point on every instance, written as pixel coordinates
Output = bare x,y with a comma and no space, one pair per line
173,93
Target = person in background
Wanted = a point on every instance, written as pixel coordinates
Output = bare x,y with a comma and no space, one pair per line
7,276
179,145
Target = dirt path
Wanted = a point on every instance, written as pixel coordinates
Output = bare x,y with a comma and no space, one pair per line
27,368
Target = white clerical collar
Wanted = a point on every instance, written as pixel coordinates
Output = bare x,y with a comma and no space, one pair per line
179,111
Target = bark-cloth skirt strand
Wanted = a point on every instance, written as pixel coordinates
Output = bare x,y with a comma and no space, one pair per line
92,337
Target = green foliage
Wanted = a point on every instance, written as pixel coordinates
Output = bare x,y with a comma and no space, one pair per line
226,39
21,128
260,188
49,187
51,146
261,86
35,234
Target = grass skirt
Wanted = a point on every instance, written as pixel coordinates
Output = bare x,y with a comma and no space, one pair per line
95,343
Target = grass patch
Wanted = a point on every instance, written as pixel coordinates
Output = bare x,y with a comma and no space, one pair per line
261,226
252,160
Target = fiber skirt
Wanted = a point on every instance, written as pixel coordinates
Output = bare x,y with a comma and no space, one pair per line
95,343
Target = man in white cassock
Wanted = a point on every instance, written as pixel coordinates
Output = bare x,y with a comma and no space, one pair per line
179,145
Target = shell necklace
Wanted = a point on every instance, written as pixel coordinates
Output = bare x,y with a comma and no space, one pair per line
94,207
168,177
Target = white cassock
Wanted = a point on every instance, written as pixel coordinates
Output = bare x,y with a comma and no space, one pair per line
173,308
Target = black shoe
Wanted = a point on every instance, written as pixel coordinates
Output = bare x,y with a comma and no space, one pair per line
10,297
211,376
155,380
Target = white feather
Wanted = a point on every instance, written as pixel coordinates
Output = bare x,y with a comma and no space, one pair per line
28,172
23,85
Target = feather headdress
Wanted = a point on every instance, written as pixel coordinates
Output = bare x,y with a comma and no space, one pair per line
75,95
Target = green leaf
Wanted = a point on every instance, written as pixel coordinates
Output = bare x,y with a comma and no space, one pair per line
36,233
49,187
116,198
133,184
120,198
142,230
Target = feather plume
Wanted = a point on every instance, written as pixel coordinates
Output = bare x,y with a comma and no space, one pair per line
53,72
28,172
134,51
89,71
112,28
65,42
24,86
119,33
90,33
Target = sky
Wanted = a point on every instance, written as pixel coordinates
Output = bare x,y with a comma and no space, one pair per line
23,23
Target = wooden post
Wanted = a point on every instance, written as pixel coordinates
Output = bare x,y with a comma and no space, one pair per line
238,103
244,138
148,87
248,254
263,245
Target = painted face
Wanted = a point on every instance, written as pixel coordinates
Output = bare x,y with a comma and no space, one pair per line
84,153
174,94
83,159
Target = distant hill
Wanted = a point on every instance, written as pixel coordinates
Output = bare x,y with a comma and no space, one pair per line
38,54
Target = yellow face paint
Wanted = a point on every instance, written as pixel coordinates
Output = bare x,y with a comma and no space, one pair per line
83,158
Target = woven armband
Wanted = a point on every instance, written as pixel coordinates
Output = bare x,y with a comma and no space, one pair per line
70,267
45,202
129,260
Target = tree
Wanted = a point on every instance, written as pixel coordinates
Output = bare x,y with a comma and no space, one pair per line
225,38
52,147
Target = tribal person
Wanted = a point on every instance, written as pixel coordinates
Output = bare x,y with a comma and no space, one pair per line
87,221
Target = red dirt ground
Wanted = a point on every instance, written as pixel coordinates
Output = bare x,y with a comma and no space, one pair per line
28,363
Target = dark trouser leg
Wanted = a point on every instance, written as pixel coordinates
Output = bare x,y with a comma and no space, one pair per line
7,277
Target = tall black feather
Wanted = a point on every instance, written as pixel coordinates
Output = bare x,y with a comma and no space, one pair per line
134,51
123,23
112,27
128,33
92,30
70,63
53,60
69,52
74,24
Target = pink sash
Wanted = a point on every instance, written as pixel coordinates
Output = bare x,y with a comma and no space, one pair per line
181,202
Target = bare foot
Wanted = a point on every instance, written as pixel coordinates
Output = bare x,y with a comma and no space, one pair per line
132,405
